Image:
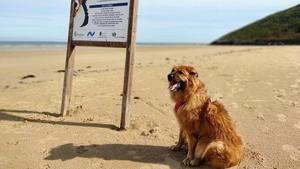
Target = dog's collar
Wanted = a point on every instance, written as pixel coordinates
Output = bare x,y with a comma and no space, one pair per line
177,106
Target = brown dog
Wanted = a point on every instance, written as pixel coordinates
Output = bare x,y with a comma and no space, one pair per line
206,125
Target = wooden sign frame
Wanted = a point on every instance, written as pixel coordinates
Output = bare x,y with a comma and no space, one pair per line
130,46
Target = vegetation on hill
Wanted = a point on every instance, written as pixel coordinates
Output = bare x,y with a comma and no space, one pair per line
279,28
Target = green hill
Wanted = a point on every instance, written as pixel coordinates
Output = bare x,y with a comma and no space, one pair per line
279,28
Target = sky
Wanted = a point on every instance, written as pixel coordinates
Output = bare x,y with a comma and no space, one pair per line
163,21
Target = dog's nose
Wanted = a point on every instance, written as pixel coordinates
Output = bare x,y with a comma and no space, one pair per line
170,77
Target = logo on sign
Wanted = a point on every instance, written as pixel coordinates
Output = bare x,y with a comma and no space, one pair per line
76,34
114,34
91,34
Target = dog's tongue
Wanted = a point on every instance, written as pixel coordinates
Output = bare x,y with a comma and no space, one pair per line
174,87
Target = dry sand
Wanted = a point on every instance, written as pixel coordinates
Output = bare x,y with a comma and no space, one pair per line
260,86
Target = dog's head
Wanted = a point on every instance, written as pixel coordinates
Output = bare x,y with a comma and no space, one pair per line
183,82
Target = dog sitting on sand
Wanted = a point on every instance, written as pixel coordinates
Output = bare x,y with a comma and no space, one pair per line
205,125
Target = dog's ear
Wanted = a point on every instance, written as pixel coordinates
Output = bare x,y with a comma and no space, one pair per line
193,73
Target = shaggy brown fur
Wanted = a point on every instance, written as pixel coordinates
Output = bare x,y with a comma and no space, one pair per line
207,126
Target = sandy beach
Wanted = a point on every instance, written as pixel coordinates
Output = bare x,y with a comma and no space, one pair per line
260,86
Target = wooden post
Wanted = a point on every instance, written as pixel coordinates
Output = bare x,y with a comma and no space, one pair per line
130,51
67,88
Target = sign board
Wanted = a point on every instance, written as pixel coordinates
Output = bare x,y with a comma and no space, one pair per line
102,23
101,20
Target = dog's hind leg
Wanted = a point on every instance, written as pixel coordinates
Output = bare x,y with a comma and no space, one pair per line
216,155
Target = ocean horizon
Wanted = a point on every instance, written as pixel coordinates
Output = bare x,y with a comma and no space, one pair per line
65,43
48,45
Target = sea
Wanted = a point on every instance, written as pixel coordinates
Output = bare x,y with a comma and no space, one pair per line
31,46
39,45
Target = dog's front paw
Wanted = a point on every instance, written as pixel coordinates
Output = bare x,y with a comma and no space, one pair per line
186,161
175,147
195,162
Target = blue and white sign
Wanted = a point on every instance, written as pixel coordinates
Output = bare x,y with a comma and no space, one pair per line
101,20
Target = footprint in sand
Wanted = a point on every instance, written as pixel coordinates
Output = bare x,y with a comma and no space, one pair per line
293,103
266,130
260,116
297,125
247,106
279,93
293,152
281,117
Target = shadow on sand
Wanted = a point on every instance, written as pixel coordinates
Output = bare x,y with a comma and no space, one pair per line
122,152
4,115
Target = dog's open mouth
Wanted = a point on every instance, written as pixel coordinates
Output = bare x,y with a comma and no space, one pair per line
176,86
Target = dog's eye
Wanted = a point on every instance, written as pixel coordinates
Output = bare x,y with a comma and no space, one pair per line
180,72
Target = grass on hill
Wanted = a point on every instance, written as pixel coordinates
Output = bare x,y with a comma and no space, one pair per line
279,28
